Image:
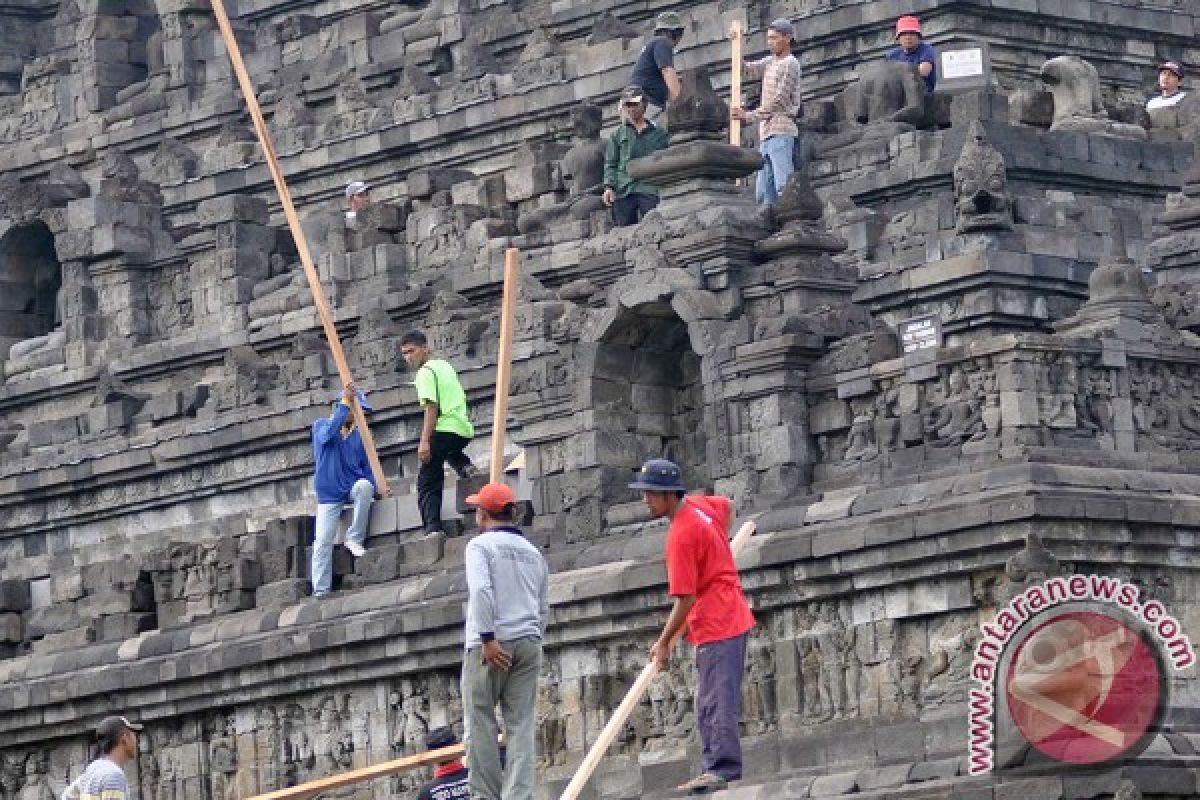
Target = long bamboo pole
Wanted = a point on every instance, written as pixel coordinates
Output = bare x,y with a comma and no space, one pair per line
384,770
735,81
616,722
289,212
508,306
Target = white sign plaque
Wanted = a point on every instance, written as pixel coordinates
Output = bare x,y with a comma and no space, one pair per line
962,63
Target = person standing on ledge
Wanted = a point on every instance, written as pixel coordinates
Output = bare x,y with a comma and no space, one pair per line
446,429
104,778
450,777
913,50
357,199
702,579
1170,76
343,474
507,612
637,136
776,113
655,67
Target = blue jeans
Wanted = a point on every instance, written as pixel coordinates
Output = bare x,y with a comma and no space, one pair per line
362,494
719,667
777,152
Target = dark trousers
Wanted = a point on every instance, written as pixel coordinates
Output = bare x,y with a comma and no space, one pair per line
444,448
719,704
630,209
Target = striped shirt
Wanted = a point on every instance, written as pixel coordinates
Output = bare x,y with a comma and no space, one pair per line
780,102
102,780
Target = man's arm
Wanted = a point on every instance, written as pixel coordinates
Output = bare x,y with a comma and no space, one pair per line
660,651
324,430
754,69
544,602
425,446
612,158
928,61
674,87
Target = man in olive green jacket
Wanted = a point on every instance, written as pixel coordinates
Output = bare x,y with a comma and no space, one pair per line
636,137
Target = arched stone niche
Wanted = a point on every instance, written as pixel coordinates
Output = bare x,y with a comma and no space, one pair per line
647,394
31,308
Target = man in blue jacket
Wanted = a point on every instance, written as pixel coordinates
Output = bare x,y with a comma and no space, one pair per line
343,475
911,48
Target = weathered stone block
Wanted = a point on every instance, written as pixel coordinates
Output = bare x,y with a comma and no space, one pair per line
14,595
279,594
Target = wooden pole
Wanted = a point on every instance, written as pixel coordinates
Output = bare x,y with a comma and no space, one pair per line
508,306
384,770
735,81
619,717
289,212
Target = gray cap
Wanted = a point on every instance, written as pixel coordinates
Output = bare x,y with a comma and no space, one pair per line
357,187
668,21
783,26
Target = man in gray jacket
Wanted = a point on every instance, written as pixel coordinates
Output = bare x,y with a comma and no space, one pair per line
507,610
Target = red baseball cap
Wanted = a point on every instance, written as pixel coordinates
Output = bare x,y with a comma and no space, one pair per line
493,497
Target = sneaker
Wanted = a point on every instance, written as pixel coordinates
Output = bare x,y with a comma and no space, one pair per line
356,549
703,784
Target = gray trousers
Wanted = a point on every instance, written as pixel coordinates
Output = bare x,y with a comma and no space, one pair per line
515,691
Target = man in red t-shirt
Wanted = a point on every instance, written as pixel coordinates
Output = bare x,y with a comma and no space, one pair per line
703,580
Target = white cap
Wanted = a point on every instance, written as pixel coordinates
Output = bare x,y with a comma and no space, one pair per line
357,187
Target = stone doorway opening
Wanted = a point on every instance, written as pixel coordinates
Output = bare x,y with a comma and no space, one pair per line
647,391
30,285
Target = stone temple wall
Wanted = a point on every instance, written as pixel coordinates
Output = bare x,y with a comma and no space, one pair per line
162,362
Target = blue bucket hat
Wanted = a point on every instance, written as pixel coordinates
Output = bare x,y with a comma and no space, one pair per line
362,401
659,475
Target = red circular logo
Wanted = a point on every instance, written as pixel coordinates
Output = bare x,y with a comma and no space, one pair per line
1084,688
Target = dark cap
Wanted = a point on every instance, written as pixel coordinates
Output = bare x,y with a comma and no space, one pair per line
1172,66
112,727
659,475
441,737
632,94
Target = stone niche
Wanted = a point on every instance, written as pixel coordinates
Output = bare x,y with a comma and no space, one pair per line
30,285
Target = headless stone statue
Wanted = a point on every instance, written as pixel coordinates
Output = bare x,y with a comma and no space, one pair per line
1078,105
146,95
582,167
888,99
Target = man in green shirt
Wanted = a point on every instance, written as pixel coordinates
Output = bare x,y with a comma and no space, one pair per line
446,429
636,137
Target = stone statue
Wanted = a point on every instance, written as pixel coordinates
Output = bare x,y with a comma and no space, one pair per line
37,778
147,765
222,758
890,91
762,707
582,168
860,442
981,194
122,180
959,418
174,162
1078,105
285,290
268,752
146,95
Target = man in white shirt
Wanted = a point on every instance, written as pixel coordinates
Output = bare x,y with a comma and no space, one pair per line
1170,76
357,198
104,778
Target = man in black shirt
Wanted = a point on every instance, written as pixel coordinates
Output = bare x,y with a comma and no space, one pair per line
655,68
450,777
